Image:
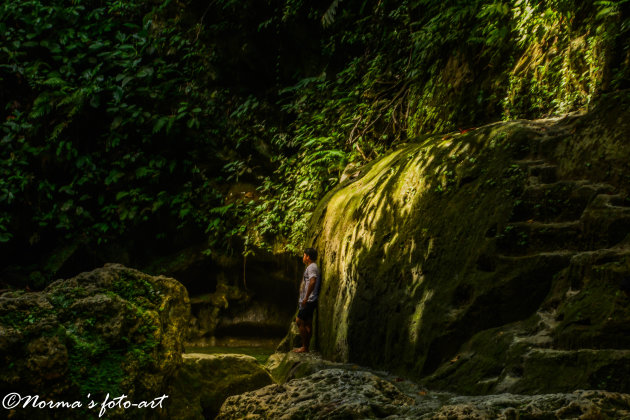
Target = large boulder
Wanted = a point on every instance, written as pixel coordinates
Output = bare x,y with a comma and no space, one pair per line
480,260
205,380
113,330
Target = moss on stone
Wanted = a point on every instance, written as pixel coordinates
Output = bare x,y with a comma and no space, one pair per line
435,249
113,330
380,239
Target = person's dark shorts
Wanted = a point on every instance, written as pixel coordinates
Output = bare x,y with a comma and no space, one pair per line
306,313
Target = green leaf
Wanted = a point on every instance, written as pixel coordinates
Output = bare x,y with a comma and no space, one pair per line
121,195
159,124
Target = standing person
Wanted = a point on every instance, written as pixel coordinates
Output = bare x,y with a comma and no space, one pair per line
309,292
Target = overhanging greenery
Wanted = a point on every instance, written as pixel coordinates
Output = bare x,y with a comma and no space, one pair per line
231,119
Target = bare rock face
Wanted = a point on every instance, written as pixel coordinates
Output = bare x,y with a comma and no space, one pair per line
112,330
205,380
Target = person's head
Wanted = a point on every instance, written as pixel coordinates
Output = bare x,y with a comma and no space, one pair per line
310,255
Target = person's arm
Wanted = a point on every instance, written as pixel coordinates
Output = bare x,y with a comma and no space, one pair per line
309,290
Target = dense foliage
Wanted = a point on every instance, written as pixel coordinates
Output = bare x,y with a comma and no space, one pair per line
105,125
181,121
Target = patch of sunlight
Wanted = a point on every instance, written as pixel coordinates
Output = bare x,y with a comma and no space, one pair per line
430,247
389,244
411,184
260,353
462,148
415,323
343,204
417,276
411,250
379,167
378,214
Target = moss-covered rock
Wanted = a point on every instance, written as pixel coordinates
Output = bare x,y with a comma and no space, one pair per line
204,381
286,366
112,330
462,257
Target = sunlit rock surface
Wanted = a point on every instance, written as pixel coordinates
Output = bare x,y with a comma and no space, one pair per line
486,262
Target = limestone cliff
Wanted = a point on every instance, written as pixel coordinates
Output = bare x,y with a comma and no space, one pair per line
487,261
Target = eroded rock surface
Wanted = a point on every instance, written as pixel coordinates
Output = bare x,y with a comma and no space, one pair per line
357,394
332,393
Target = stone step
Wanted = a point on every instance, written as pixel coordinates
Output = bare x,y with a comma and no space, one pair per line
559,259
600,226
610,201
583,265
542,336
583,369
543,173
503,265
605,225
558,201
547,144
531,237
529,162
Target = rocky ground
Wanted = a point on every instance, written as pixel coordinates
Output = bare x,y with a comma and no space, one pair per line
121,331
338,391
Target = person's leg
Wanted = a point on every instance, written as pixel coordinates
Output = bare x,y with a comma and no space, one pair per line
303,335
308,329
305,324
